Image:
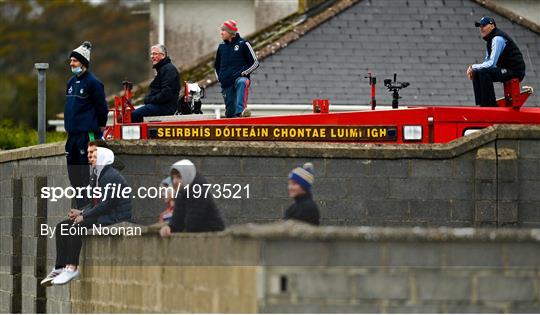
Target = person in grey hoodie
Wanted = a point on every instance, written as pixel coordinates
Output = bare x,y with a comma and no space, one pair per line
192,214
105,211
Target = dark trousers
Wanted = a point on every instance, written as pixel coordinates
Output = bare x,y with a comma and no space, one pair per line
68,246
149,110
77,163
484,93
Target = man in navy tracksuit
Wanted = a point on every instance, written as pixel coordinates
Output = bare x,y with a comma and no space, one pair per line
85,116
235,61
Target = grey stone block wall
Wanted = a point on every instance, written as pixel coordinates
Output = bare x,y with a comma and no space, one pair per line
528,166
26,256
404,290
34,212
492,185
306,269
399,274
10,244
493,182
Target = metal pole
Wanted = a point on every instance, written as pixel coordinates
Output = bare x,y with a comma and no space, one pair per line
42,99
161,22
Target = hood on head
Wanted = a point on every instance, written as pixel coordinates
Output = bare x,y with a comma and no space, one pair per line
104,157
187,171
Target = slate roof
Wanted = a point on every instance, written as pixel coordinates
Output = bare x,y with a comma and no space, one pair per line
427,42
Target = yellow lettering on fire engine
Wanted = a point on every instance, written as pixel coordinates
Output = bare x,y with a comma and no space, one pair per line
285,133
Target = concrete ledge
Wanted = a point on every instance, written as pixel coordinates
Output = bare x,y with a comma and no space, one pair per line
300,231
297,230
292,267
35,151
295,149
327,150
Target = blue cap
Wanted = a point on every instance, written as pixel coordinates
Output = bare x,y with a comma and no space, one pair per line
484,21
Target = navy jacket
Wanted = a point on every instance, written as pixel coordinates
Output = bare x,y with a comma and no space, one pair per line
234,59
511,57
110,210
196,214
85,108
303,209
165,87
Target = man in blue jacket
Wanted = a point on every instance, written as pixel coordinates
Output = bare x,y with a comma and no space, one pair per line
235,61
109,209
162,99
85,116
503,62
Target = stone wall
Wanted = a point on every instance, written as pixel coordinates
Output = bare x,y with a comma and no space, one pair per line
194,273
490,178
25,255
282,268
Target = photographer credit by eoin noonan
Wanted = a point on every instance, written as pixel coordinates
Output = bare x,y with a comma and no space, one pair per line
68,229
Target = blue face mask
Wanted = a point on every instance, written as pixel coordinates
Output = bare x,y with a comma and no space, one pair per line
77,70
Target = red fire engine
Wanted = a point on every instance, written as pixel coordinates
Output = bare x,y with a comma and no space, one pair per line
418,124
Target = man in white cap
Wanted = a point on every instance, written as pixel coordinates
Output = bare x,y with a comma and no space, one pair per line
85,116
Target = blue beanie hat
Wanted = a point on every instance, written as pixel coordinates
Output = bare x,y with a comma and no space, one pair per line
303,176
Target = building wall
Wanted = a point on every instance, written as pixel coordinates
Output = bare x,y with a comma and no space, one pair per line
491,178
192,27
26,257
168,277
529,9
268,12
489,182
288,268
400,276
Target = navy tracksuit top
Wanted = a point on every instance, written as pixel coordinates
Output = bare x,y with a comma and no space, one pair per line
85,108
234,59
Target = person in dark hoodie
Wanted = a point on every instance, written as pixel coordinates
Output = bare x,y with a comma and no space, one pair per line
85,116
105,211
162,99
503,62
304,208
192,213
235,61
